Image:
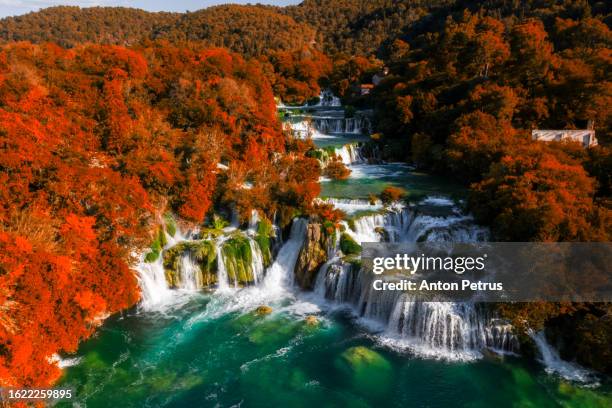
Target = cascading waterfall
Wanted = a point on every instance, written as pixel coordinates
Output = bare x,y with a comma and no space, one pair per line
253,221
280,274
339,124
157,294
394,223
257,264
153,285
454,228
351,206
189,272
456,329
350,154
555,365
222,277
452,330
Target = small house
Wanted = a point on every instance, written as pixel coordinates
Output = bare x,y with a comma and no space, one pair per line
365,89
586,137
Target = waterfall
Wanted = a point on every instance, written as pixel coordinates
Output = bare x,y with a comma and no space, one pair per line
253,221
280,274
350,154
450,330
153,285
401,224
222,278
327,98
453,228
191,279
453,329
351,206
393,223
257,264
555,365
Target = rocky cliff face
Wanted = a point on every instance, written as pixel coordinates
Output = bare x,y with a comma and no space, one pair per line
313,254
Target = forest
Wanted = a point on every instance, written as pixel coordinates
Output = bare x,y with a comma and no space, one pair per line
111,117
98,142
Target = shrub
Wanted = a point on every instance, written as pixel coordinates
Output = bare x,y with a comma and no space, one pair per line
348,245
391,194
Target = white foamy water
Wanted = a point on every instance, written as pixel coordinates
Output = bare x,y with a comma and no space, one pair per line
350,154
553,364
276,286
351,206
438,201
391,170
154,289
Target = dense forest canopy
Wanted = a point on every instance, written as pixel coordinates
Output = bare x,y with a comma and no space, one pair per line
70,26
96,144
249,30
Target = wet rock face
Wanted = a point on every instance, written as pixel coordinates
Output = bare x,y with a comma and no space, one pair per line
312,255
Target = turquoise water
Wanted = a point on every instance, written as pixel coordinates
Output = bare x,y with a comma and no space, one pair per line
187,358
366,179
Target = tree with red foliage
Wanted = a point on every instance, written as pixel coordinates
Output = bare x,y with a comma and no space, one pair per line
94,143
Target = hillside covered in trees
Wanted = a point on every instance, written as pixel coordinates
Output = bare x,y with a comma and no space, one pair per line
249,30
97,143
70,26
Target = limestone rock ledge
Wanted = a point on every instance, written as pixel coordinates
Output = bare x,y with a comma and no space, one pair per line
313,254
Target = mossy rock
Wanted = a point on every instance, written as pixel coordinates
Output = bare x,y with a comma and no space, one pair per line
151,256
265,231
368,371
157,245
321,155
203,252
218,222
355,262
238,258
348,245
383,233
170,224
351,223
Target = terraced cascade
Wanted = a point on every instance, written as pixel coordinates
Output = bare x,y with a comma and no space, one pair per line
224,321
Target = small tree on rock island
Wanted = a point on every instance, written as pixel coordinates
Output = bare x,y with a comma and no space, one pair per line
336,170
392,194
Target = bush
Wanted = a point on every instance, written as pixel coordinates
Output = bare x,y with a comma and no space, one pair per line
348,245
336,170
391,194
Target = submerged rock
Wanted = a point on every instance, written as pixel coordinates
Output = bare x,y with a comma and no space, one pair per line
368,371
263,310
359,357
311,321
